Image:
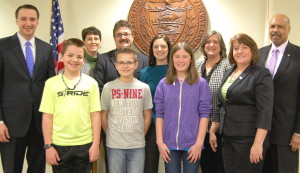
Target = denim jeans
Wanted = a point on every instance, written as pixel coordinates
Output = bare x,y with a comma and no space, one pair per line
174,166
126,160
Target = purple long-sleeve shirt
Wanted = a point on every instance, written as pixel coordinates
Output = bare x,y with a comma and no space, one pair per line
182,106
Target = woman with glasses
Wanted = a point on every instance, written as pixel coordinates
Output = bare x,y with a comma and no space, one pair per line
212,68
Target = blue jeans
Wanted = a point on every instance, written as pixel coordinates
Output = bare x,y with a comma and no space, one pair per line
174,166
126,160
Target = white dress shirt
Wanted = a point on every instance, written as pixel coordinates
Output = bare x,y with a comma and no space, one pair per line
23,45
281,49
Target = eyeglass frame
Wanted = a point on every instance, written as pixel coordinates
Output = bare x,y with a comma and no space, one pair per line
125,34
128,63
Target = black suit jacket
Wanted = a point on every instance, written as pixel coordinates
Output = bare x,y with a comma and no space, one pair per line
105,70
248,104
20,95
286,113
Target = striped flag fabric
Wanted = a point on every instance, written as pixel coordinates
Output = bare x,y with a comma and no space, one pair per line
56,35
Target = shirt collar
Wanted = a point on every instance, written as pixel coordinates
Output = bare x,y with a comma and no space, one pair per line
90,58
23,40
281,48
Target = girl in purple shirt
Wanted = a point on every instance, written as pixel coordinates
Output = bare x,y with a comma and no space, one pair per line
183,104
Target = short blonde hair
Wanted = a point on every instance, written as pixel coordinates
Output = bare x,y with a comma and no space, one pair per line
72,41
127,51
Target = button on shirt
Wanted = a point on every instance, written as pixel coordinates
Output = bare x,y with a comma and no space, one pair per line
23,45
281,49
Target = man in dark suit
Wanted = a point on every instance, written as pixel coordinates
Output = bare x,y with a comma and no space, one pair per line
285,131
105,70
22,78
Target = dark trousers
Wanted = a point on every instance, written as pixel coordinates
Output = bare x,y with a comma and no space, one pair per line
151,151
13,153
103,137
212,162
73,159
236,155
281,159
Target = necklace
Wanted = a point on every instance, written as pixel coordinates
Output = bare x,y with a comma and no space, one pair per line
235,74
67,88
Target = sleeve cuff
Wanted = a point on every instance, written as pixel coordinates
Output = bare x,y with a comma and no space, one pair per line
297,134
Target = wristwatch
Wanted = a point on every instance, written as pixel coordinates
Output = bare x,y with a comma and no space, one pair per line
47,146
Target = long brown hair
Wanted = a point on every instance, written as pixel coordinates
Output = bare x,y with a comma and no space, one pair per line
152,59
192,74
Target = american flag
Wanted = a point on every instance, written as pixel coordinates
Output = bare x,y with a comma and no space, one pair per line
56,35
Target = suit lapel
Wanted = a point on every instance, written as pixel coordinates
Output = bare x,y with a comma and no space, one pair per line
19,53
112,59
226,75
264,55
284,62
38,57
237,81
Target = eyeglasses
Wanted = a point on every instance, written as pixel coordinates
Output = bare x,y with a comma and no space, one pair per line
126,34
126,63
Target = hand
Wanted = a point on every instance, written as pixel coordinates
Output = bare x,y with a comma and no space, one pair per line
194,153
52,156
4,135
295,143
94,153
256,153
213,141
164,152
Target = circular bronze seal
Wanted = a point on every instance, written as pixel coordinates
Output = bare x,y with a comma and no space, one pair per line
181,20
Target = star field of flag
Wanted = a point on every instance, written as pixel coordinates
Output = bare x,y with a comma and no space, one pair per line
57,31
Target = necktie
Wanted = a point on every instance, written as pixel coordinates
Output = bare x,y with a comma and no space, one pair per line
29,58
272,62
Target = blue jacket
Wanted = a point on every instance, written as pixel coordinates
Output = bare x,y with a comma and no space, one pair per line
181,106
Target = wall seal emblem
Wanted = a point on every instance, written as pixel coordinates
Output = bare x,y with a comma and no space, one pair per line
181,20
